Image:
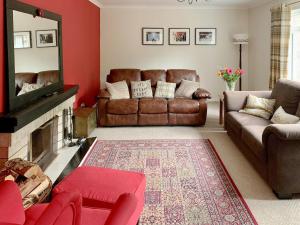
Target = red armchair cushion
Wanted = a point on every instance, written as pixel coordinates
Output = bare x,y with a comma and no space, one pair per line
101,187
11,206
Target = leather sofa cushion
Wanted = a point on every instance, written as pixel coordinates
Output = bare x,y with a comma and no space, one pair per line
252,137
176,76
153,119
194,119
182,105
154,76
113,120
237,120
45,77
122,106
22,78
153,106
124,74
287,95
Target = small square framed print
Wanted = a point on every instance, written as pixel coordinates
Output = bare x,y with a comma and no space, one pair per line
153,36
46,38
22,39
205,36
179,36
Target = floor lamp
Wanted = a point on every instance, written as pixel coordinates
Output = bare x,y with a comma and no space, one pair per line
240,39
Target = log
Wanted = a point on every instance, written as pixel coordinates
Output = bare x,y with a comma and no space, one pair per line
24,168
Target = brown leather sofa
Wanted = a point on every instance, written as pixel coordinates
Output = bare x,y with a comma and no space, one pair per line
273,149
43,78
152,111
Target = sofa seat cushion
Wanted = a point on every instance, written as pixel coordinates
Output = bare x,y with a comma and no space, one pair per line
122,106
252,137
153,106
238,120
92,216
183,105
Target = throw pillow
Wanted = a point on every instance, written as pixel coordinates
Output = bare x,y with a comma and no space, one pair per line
254,102
257,112
118,90
29,87
260,107
165,90
187,88
141,89
281,117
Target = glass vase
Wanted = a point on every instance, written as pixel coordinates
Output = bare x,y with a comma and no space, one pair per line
230,85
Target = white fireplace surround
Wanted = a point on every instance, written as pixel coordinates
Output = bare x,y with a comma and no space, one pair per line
20,141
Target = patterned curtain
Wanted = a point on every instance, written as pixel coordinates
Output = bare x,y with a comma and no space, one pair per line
281,24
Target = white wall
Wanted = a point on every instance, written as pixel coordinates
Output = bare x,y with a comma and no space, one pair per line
260,45
34,59
121,41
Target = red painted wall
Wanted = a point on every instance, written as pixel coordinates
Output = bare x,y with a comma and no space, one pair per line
81,46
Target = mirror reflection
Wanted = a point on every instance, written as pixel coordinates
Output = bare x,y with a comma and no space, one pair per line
36,52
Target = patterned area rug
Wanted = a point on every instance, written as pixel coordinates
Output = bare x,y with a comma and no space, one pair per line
187,183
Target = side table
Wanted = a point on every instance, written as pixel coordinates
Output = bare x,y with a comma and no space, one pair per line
221,113
85,121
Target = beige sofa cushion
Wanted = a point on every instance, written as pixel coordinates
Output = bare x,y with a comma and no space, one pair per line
281,117
141,89
118,90
165,90
187,88
261,107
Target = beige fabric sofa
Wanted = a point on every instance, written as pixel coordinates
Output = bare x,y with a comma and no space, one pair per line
273,149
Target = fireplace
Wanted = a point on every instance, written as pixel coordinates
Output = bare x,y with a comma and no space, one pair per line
39,140
44,143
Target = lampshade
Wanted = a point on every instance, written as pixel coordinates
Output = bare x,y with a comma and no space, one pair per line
240,39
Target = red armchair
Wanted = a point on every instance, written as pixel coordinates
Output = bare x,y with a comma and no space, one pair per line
65,209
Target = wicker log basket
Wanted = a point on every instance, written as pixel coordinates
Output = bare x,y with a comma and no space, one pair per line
34,185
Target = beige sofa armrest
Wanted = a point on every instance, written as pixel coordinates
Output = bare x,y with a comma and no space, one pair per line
285,132
103,94
236,100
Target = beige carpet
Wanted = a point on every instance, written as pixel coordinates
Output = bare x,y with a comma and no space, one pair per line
264,205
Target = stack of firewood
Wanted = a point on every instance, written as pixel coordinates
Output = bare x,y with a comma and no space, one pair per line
34,185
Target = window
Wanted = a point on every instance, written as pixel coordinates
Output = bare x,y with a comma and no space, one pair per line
294,51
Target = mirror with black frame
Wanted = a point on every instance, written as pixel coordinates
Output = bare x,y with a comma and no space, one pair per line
34,53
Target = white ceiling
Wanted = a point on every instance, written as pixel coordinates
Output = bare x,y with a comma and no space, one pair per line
175,3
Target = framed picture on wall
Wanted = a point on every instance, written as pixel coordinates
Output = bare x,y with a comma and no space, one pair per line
179,36
22,39
46,38
153,36
205,36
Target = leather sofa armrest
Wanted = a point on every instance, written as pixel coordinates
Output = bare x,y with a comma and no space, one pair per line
236,100
202,94
123,209
285,132
104,94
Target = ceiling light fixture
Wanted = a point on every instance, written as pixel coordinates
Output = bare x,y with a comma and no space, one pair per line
190,1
